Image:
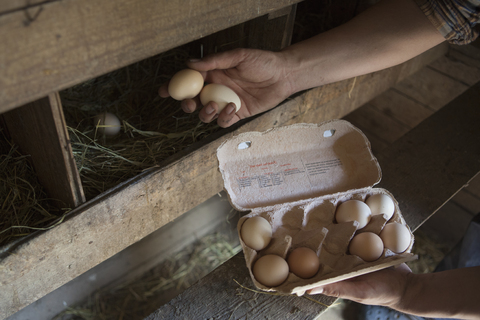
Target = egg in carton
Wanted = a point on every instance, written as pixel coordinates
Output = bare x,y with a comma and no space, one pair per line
295,177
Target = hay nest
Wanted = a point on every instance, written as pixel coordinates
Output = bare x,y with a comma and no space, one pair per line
153,128
24,205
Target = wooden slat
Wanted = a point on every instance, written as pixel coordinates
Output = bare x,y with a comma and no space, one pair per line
401,107
369,117
411,167
457,69
429,80
444,158
12,5
124,215
71,41
39,129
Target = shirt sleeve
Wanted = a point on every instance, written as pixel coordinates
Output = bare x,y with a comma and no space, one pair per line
454,19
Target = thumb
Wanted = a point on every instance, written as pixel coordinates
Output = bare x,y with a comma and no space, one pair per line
223,60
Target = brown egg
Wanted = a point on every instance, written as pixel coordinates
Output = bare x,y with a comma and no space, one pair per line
353,210
270,270
396,237
303,262
368,246
185,84
256,233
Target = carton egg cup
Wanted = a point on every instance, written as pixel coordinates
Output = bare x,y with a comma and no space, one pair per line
295,177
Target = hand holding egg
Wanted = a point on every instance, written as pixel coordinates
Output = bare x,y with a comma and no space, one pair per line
187,84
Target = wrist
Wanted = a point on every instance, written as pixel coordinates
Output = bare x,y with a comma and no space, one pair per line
298,70
410,293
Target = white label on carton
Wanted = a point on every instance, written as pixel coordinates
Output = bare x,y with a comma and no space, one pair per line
294,163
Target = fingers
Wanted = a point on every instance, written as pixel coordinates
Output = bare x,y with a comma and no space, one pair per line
163,91
189,105
226,117
209,112
223,60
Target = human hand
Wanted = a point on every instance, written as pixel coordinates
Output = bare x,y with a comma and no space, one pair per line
384,288
258,77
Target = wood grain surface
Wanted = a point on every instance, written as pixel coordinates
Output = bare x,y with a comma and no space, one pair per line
70,41
118,218
39,130
423,170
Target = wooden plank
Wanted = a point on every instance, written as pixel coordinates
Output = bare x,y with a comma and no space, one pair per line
403,108
71,41
269,32
442,88
446,159
411,169
467,201
120,217
138,259
370,119
469,197
457,70
474,186
12,5
39,129
465,59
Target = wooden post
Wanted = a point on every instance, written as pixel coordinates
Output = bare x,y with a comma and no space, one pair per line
39,129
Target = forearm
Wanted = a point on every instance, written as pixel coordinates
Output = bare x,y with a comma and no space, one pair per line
453,294
389,33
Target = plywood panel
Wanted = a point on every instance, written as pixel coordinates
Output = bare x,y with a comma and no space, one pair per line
70,41
126,214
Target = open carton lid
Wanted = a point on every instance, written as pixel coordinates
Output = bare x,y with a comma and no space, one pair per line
294,177
296,162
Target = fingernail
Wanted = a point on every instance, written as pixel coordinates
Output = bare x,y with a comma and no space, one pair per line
230,108
194,60
315,291
209,110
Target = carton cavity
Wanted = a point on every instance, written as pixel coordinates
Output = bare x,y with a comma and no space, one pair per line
295,177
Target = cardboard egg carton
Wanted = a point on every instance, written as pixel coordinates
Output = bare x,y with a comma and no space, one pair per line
294,177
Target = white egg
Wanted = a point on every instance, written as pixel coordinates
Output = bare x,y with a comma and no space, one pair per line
381,204
353,210
396,237
185,84
220,94
107,123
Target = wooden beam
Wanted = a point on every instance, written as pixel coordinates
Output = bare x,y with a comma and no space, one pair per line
120,217
39,130
423,170
69,42
7,6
